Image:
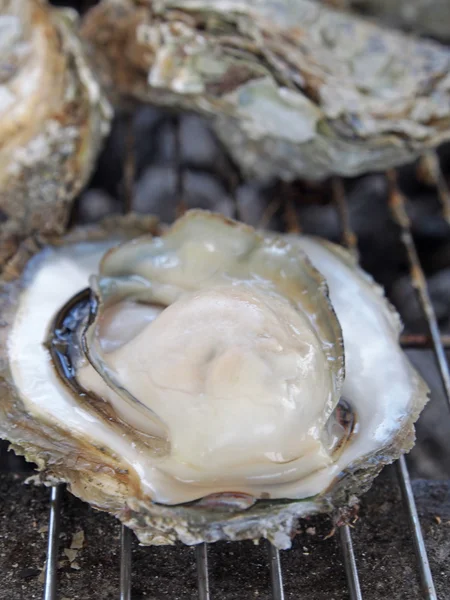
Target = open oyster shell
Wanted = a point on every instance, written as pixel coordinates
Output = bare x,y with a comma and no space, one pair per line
53,118
112,453
292,88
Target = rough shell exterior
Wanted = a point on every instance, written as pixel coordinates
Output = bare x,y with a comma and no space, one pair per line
421,16
52,130
292,88
96,477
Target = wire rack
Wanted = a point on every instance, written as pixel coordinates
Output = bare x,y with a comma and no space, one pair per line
398,210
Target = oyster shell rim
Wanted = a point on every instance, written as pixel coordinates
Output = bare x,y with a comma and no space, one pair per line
154,523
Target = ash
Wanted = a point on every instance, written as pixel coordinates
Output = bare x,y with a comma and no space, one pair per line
238,570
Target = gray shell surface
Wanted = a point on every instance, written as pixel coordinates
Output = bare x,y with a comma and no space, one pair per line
292,88
53,118
420,16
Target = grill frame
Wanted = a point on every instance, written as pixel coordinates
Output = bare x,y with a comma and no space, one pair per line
398,208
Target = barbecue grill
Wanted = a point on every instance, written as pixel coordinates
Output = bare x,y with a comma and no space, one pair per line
270,559
398,205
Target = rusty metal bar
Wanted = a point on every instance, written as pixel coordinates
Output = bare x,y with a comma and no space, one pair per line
348,237
397,204
430,170
290,216
350,241
401,218
129,165
271,210
179,185
422,341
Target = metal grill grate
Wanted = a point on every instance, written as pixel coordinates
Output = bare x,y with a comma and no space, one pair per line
397,203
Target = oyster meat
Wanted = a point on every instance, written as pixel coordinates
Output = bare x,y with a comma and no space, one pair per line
293,89
192,383
53,118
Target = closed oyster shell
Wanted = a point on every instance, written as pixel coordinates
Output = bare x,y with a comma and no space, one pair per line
53,118
431,18
101,477
292,88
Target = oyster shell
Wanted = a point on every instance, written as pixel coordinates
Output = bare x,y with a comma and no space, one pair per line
421,16
242,459
53,118
292,88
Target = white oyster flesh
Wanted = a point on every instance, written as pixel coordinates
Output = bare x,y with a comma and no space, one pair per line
238,376
239,382
380,383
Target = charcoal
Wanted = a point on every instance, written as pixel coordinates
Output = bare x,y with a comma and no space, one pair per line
157,192
94,205
199,147
252,203
153,137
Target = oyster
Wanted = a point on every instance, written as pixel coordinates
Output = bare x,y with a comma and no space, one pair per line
196,388
53,118
292,88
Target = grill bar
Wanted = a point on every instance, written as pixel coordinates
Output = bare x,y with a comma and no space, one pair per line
276,574
426,578
125,563
51,565
129,166
433,173
350,563
348,236
422,341
398,208
290,216
179,183
201,555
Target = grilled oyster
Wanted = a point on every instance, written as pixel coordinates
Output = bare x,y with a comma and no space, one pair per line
292,88
52,119
195,389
